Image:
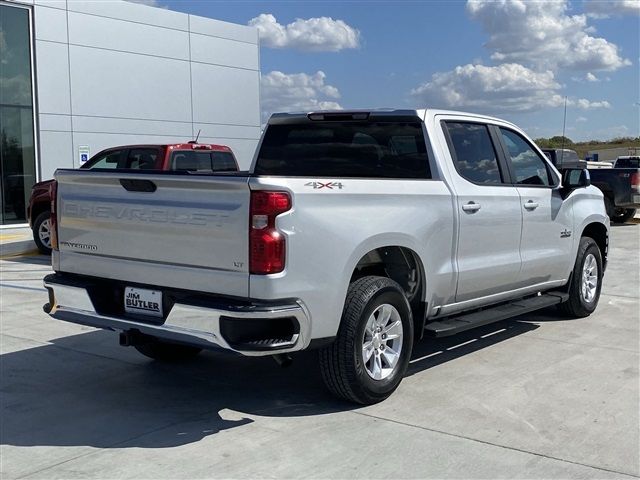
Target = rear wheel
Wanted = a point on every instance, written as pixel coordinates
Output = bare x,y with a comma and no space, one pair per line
609,207
167,351
372,349
42,232
621,215
586,281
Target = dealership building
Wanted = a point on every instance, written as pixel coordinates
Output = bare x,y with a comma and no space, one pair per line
80,76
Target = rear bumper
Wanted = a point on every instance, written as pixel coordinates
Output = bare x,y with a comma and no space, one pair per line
213,327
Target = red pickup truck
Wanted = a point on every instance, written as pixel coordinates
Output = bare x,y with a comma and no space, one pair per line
196,157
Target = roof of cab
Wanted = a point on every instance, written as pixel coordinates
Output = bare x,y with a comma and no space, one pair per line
381,114
177,146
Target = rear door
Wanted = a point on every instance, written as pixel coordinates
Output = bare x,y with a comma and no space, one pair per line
173,230
547,220
489,210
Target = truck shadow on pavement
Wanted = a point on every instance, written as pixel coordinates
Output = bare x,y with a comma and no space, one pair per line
85,390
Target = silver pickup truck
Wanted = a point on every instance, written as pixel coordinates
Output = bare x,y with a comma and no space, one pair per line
356,233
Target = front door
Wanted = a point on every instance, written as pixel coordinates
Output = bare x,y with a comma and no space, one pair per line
547,220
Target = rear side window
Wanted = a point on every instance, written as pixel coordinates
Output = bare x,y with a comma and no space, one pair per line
528,166
203,161
142,159
475,158
345,149
628,163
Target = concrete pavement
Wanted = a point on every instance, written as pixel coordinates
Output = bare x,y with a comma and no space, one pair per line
536,397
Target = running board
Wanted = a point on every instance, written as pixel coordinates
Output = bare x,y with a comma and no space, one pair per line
456,324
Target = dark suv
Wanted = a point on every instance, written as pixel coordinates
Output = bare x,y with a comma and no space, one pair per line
194,157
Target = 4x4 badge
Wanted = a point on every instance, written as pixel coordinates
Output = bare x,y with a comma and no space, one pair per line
329,185
565,233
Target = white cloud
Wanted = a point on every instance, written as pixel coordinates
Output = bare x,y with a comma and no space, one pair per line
581,119
283,92
590,77
608,8
509,87
150,3
541,35
323,34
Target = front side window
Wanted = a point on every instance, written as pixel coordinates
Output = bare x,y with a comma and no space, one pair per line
105,160
529,168
474,155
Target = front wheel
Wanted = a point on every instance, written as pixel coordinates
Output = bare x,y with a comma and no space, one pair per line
371,352
586,281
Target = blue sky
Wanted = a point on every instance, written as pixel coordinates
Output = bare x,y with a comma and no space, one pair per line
510,58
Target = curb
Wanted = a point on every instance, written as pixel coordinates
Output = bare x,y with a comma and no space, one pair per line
15,249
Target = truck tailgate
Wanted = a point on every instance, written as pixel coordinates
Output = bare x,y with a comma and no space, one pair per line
169,230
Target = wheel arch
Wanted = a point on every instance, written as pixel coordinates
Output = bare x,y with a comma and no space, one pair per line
600,234
403,264
37,209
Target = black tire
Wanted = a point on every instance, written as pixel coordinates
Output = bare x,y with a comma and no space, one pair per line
167,351
577,306
342,366
609,207
622,215
42,223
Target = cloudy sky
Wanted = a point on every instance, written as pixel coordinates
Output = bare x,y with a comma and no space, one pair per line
511,58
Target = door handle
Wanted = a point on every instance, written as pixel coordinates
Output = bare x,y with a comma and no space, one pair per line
471,207
531,205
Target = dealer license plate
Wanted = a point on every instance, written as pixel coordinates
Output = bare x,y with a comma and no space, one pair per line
141,301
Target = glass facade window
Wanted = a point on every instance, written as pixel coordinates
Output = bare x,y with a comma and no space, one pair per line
17,147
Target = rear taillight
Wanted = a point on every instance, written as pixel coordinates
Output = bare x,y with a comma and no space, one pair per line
635,181
266,244
53,195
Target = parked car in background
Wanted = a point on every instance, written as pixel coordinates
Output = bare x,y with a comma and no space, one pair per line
192,157
620,183
621,189
563,158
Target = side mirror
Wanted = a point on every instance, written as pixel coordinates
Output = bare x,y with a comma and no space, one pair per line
573,178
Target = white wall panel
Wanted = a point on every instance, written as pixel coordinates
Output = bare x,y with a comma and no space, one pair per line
55,152
133,12
131,82
217,28
55,122
225,95
104,32
132,127
226,131
221,51
52,71
50,24
116,84
62,4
